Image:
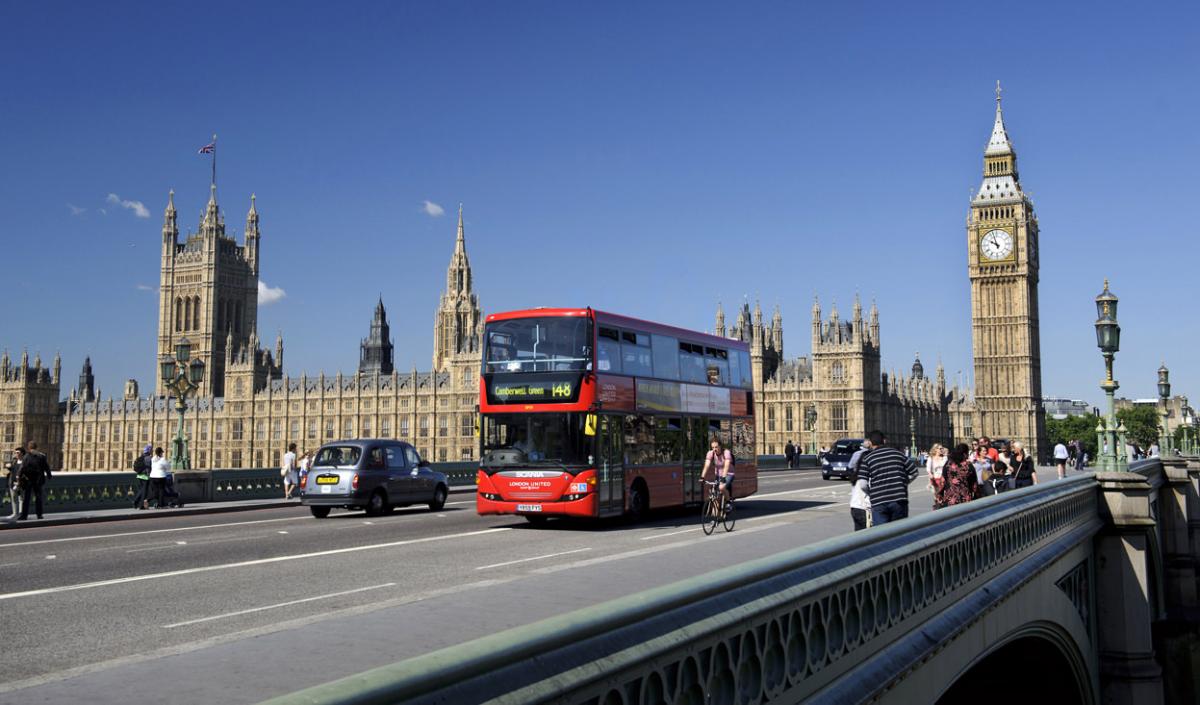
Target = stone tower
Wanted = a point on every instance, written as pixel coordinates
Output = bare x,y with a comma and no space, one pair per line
375,351
458,327
29,406
208,291
1002,262
846,372
87,382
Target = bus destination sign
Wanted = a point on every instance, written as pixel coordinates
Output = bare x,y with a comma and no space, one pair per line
534,388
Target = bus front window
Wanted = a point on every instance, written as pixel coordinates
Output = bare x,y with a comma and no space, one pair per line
546,344
511,440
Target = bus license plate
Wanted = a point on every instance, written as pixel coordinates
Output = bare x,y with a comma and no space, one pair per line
529,507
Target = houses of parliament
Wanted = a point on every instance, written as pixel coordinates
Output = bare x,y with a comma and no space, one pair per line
247,410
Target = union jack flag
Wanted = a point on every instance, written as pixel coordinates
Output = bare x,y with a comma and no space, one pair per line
208,148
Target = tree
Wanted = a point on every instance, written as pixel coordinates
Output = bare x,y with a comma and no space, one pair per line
1074,428
1141,424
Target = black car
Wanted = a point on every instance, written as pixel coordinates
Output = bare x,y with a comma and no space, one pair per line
836,462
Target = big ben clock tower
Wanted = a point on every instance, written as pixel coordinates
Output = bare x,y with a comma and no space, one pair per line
1002,261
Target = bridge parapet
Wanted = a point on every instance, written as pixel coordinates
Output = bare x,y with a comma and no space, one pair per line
845,620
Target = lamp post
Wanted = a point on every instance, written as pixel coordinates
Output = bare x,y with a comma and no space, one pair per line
181,379
912,436
1165,442
1108,339
810,419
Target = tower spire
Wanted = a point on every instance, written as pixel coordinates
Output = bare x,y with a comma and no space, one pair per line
998,143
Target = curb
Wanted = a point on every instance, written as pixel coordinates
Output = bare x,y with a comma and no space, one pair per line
197,509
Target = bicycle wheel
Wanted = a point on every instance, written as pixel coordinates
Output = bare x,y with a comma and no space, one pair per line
709,517
727,517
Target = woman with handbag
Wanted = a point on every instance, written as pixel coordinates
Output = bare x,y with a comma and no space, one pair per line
934,466
1021,468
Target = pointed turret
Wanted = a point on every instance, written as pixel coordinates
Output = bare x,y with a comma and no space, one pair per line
57,368
873,324
253,235
376,351
279,350
777,331
720,328
1000,179
212,214
941,377
918,370
458,327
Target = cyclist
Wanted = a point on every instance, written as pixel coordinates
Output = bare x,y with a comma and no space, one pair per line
720,460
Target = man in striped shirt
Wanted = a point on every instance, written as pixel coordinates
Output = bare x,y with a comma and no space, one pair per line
888,473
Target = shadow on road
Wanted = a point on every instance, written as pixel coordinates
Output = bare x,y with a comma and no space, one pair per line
670,518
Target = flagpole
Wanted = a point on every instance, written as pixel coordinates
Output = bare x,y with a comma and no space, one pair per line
214,163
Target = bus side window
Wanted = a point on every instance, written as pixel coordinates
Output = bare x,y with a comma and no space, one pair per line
666,356
608,351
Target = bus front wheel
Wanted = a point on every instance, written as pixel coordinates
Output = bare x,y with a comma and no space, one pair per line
639,501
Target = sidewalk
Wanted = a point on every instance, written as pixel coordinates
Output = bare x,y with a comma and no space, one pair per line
88,516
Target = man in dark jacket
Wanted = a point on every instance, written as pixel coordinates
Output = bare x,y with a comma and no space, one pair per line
12,471
789,452
34,473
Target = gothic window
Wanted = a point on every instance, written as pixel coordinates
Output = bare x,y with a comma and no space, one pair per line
787,421
466,426
277,430
235,459
10,433
103,432
348,428
443,426
329,429
312,429
295,431
219,431
404,428
465,454
366,427
235,430
385,428
178,314
260,430
423,428
187,313
837,418
770,418
441,455
195,312
838,373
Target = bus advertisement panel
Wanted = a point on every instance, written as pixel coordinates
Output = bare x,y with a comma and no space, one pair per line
586,413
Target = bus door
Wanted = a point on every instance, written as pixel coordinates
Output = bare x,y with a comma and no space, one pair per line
695,448
610,465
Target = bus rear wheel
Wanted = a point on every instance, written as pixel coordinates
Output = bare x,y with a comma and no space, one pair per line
639,501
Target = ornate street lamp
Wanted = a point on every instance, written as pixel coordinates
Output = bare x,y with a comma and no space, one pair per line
181,379
912,436
1108,339
810,420
1165,442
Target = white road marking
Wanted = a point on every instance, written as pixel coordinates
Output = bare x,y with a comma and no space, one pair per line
655,549
281,532
181,543
244,564
51,557
8,565
463,502
144,533
673,533
535,558
275,606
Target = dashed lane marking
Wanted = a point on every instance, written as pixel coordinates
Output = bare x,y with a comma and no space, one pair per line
275,606
534,558
144,533
245,564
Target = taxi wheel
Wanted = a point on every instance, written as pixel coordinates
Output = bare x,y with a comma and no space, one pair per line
377,505
439,499
319,512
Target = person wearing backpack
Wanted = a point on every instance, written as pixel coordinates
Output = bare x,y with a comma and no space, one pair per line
141,469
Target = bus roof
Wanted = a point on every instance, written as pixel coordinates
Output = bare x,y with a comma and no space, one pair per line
614,319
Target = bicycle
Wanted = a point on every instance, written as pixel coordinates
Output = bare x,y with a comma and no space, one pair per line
716,509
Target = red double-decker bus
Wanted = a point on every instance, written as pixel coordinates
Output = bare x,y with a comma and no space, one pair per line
592,414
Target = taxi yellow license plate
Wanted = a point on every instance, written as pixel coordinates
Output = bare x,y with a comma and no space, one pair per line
328,479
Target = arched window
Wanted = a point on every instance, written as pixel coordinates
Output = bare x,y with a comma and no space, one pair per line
178,313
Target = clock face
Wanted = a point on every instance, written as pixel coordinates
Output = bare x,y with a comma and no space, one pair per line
996,244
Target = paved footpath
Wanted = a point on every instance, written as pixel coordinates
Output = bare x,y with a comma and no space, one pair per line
242,607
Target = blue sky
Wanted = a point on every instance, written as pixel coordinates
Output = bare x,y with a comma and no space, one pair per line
650,160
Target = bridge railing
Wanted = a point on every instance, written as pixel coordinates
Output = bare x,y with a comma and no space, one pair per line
784,626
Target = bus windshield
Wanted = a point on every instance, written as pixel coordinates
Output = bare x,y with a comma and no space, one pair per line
546,344
535,439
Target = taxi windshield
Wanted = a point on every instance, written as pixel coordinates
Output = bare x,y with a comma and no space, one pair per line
333,456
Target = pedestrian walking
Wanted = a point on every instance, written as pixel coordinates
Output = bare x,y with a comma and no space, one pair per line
141,472
34,473
860,502
1061,455
287,470
159,469
960,483
789,452
303,465
934,468
12,481
888,473
1021,467
981,460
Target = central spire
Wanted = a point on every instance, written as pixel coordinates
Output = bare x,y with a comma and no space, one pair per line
999,142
